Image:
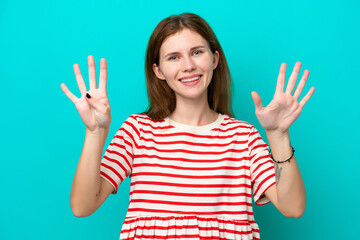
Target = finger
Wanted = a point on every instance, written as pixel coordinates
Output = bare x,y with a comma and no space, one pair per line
257,101
100,107
307,97
292,80
69,94
103,74
79,79
281,79
301,84
92,72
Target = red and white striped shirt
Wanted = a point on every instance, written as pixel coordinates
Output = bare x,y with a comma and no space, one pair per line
189,182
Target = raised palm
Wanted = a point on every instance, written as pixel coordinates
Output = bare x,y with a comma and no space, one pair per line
284,108
94,112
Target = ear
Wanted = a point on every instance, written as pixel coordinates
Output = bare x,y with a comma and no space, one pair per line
216,59
158,72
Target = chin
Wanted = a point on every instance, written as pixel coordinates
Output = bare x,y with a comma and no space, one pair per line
194,96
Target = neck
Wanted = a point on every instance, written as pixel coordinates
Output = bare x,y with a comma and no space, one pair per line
194,112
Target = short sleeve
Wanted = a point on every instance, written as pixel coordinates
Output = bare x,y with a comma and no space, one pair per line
262,168
116,164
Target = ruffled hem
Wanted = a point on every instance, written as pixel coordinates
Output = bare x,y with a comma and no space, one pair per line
192,227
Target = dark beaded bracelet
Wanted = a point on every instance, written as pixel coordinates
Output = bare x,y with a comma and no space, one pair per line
287,160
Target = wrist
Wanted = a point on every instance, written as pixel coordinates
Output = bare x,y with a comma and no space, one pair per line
99,132
278,135
279,143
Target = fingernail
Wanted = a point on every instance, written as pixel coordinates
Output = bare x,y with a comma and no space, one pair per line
88,95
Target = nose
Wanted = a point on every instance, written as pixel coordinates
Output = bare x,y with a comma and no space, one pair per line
188,64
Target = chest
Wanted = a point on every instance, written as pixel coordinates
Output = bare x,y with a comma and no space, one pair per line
196,157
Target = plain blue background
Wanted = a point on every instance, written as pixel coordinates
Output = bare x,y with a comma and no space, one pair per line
42,134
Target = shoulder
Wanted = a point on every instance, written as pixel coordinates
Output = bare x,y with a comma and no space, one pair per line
142,117
236,124
142,121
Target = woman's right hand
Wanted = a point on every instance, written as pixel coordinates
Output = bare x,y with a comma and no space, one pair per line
94,111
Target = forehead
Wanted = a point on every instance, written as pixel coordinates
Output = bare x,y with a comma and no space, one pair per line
182,40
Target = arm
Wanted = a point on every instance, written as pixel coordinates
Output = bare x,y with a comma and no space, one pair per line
288,195
88,190
85,196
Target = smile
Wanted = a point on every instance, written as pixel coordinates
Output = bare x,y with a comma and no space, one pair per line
190,79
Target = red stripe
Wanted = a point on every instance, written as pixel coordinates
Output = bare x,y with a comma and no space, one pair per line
234,122
229,129
113,170
205,229
191,203
265,146
133,127
125,141
111,180
130,135
262,182
176,236
191,151
253,133
193,135
190,168
258,175
262,164
239,222
191,160
193,143
117,163
242,185
259,158
217,229
145,117
253,141
129,154
190,212
156,127
189,176
242,194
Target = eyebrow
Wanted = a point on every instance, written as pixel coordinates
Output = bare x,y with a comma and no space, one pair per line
193,48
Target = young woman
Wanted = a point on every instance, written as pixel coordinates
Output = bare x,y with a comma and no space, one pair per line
193,166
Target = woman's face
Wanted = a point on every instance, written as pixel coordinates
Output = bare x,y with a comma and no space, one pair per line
186,63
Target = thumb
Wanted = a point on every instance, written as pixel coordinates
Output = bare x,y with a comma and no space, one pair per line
257,101
99,107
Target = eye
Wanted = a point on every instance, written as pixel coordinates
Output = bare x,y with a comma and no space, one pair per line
197,52
172,58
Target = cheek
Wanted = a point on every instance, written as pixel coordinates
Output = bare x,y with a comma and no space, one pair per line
206,64
170,71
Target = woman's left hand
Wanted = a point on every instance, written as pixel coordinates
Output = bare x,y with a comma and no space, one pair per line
284,109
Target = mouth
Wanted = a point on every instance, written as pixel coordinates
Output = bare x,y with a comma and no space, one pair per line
190,80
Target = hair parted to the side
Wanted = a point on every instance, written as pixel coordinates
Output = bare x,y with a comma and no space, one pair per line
162,100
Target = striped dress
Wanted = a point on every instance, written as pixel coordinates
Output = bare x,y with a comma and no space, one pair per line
189,182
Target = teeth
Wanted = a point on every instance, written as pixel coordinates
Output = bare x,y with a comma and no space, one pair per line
190,79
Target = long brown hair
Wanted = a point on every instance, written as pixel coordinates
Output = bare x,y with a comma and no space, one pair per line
161,96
